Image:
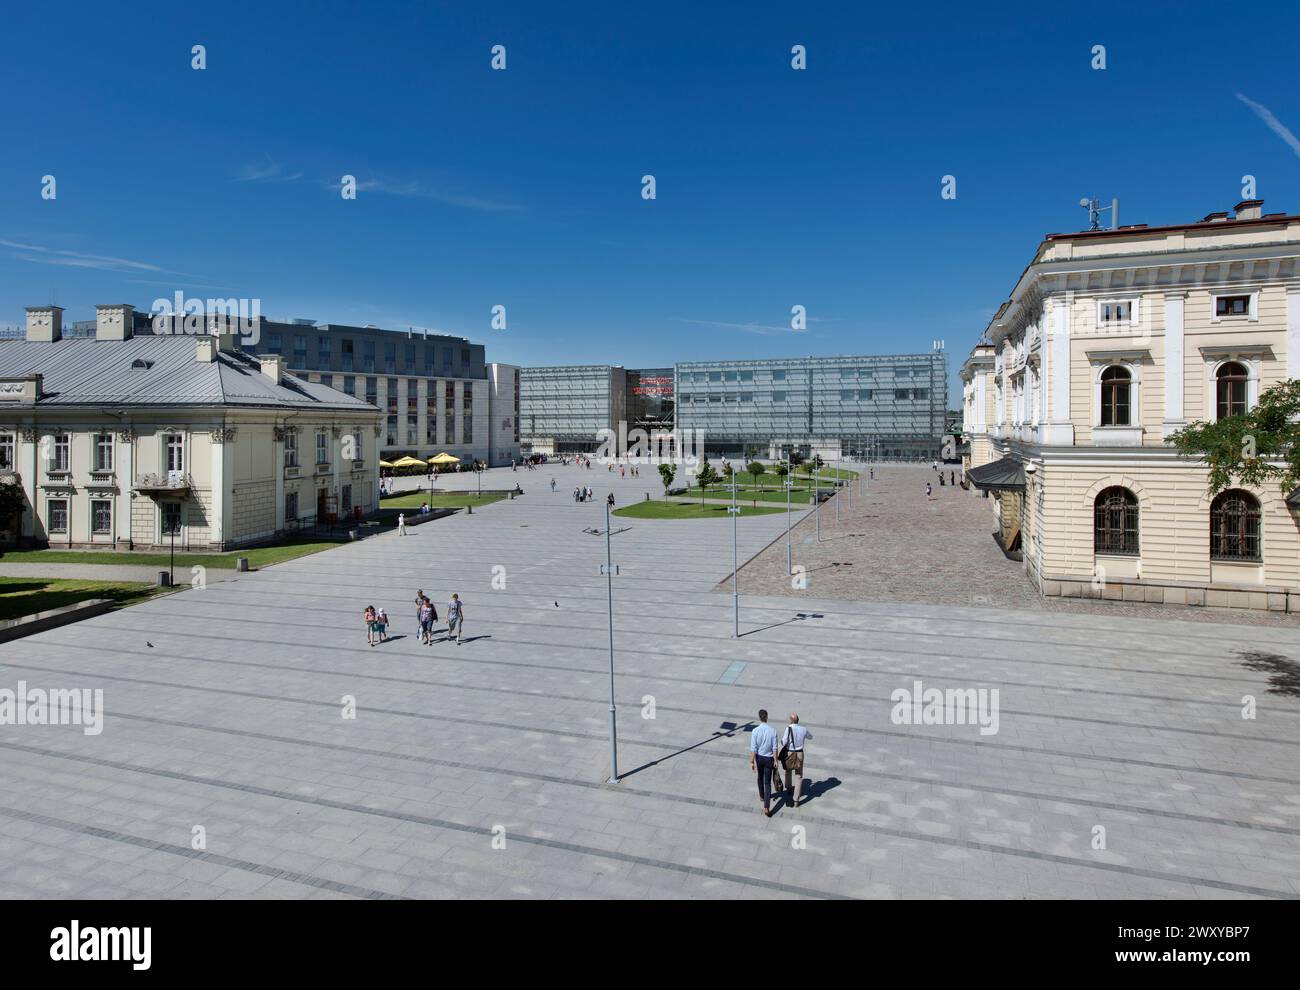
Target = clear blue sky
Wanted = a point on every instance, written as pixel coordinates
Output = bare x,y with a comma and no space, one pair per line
775,187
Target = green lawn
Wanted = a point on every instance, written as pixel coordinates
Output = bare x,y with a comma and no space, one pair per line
799,496
257,556
685,510
450,500
25,596
770,480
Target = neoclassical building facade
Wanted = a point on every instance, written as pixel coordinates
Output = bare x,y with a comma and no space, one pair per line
120,441
1113,340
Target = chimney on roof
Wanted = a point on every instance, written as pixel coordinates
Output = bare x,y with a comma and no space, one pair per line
1250,209
44,323
1215,218
115,322
272,367
206,351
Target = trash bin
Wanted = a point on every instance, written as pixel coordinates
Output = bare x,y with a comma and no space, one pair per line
164,579
241,564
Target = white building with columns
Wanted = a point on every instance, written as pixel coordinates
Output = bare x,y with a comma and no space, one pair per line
124,442
1112,340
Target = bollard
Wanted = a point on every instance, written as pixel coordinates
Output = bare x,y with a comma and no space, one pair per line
352,534
647,496
241,564
164,579
469,508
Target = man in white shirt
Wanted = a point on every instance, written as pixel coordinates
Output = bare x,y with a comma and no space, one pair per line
762,752
793,739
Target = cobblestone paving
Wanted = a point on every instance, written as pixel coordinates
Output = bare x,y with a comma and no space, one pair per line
895,545
224,709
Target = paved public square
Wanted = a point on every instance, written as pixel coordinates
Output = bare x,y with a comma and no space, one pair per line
1122,765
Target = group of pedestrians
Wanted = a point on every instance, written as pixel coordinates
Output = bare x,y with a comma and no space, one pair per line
426,614
583,493
769,754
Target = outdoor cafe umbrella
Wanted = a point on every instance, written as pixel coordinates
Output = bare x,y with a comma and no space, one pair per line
408,461
444,458
386,464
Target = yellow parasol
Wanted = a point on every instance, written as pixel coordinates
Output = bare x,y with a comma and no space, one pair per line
444,458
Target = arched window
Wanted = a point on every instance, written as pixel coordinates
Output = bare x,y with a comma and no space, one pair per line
1115,522
1230,383
1234,526
1116,383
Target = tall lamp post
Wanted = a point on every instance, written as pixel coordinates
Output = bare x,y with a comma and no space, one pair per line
734,512
817,497
609,569
789,550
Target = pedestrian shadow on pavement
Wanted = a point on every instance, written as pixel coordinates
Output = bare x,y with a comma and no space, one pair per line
811,792
471,639
799,617
727,730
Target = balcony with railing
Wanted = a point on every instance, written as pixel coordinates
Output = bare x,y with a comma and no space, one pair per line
164,483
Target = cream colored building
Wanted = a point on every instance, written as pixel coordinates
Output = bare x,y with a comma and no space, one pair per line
1111,341
124,441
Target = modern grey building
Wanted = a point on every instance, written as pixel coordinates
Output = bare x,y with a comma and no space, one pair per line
891,406
437,391
564,409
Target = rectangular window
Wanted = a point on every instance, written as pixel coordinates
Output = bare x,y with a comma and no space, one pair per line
349,385
715,376
1232,305
390,356
299,351
391,395
746,396
290,506
101,517
323,352
103,452
346,498
327,381
171,518
901,393
358,445
7,452
746,376
1113,311
778,376
273,343
920,393
446,357
57,515
848,372
347,355
61,453
464,356
778,396
175,452
372,391
864,393
729,376
430,356
290,450
322,446
847,395
392,431
715,398
409,354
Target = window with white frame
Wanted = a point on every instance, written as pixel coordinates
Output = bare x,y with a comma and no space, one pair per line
290,450
103,452
1117,312
322,446
174,450
101,516
60,459
1235,306
7,453
1116,389
57,515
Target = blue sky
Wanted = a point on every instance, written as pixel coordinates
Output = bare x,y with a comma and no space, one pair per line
775,187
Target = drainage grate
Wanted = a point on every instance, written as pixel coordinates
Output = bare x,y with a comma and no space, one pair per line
731,673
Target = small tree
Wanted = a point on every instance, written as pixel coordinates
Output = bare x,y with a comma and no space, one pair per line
1251,448
796,458
728,472
705,477
12,503
781,471
666,474
756,469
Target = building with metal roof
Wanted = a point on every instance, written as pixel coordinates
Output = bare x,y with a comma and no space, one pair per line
124,441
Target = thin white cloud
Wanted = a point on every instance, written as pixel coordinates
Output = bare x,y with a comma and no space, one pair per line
756,328
79,259
413,189
1273,124
266,171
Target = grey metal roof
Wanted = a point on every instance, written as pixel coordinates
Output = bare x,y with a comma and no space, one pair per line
1004,475
89,372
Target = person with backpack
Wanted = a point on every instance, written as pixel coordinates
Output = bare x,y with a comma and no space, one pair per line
455,618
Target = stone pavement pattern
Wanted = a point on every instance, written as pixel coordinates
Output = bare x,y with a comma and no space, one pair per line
224,709
896,545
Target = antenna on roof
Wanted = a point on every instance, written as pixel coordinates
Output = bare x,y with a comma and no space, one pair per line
1095,210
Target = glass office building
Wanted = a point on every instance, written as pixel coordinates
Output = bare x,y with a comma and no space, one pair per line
886,406
563,409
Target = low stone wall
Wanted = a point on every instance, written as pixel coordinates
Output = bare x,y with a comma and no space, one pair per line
41,621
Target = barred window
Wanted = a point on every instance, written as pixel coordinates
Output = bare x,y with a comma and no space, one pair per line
1115,522
1234,526
1116,383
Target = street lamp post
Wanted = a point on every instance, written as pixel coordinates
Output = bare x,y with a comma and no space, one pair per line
734,512
789,550
817,499
609,570
837,489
